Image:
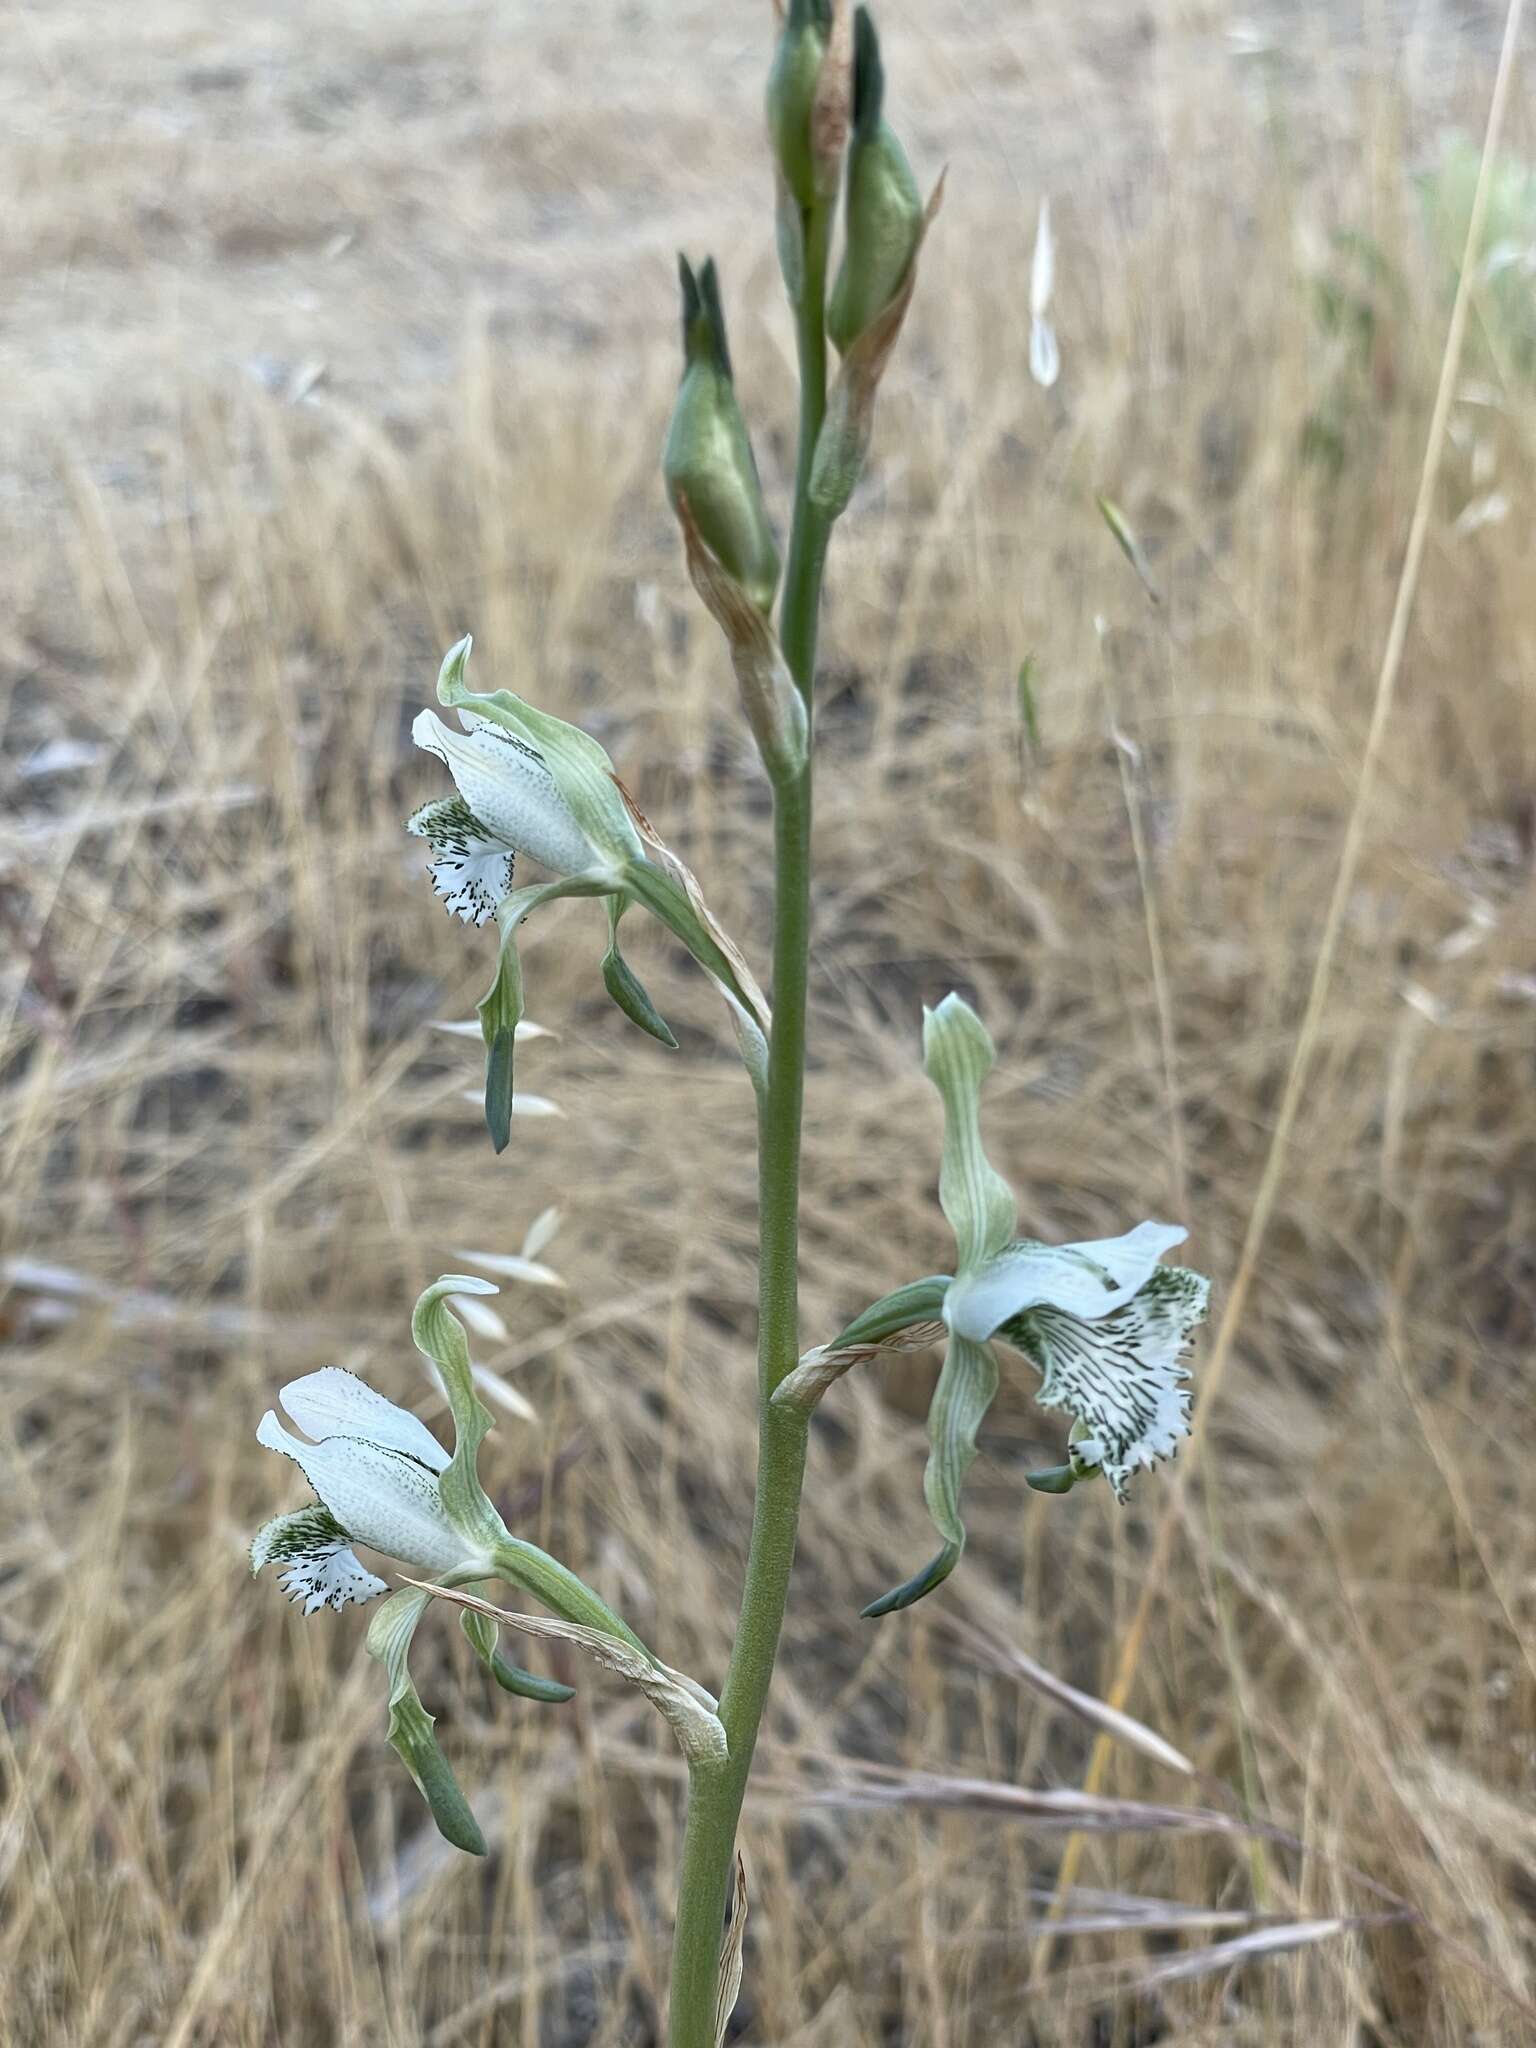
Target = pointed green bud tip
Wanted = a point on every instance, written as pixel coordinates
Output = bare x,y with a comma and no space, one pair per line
708,464
884,212
868,76
703,317
792,86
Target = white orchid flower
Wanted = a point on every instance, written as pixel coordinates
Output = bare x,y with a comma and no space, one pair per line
475,839
1103,1323
375,1471
527,782
382,1479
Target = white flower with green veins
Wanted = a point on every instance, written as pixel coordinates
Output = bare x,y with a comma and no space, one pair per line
382,1479
1102,1322
527,782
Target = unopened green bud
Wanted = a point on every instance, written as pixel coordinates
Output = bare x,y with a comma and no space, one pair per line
792,84
708,462
884,211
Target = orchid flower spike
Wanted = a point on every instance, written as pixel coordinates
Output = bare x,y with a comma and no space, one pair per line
382,1479
1103,1323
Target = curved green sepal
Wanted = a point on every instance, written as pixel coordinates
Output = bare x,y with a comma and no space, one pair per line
1053,1479
439,1335
500,1009
920,1301
481,1631
626,987
410,1725
966,1390
933,1574
958,1055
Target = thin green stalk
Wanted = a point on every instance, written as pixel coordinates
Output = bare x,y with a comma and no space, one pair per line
715,1795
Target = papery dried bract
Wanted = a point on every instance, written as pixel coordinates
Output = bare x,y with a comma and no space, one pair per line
774,706
688,1710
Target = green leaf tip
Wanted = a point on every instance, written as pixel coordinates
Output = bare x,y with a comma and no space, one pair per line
868,76
498,1086
629,992
625,986
932,1576
526,1685
966,1389
412,1739
411,1726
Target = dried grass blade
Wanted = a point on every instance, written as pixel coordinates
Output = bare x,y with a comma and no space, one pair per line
1119,1727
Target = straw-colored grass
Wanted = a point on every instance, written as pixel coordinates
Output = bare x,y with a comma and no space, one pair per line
328,342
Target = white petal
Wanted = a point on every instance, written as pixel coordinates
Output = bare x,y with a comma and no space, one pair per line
1120,1376
509,790
380,1497
513,1266
319,1567
471,868
1086,1280
334,1402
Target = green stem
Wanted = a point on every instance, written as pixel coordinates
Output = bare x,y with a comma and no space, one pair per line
715,1794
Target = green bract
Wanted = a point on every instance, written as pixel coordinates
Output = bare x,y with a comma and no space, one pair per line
883,210
1102,1322
708,462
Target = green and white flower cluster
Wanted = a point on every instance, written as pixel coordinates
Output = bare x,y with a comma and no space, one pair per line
1103,1323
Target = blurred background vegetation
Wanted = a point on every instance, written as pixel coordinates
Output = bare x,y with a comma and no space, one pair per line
329,334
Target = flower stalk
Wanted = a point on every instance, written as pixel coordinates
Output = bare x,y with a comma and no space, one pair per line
715,1794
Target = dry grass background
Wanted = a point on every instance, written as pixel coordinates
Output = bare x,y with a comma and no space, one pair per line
331,334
